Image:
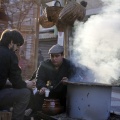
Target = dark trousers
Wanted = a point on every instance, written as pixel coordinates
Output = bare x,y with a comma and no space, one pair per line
17,98
31,102
38,101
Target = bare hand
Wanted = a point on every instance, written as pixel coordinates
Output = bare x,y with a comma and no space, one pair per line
8,83
42,90
34,81
64,79
30,84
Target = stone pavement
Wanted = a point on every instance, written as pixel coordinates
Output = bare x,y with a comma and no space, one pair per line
115,100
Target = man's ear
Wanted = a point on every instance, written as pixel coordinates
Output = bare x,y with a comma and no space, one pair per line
11,44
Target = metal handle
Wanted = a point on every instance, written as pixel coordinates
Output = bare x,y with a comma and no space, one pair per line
57,2
57,85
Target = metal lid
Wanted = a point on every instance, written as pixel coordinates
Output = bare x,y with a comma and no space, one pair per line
86,83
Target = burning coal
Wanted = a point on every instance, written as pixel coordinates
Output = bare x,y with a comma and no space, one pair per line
97,43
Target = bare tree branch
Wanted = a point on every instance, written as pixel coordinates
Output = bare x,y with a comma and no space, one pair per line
17,12
45,1
39,2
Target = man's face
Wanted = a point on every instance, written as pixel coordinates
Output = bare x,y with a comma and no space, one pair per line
14,47
56,59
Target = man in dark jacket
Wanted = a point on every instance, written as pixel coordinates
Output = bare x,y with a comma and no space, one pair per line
50,75
18,96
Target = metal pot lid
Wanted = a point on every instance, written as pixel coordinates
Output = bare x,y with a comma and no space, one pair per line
88,83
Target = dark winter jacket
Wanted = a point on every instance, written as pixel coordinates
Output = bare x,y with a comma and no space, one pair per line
9,69
47,71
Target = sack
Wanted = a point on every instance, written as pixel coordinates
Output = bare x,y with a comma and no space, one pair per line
71,12
53,12
43,21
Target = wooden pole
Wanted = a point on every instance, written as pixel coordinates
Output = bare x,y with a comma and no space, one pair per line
37,36
66,42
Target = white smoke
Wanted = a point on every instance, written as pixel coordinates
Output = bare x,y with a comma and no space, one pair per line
97,43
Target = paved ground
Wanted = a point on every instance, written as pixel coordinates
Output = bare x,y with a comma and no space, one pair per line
115,100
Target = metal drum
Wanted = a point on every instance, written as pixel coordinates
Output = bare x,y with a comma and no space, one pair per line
88,101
